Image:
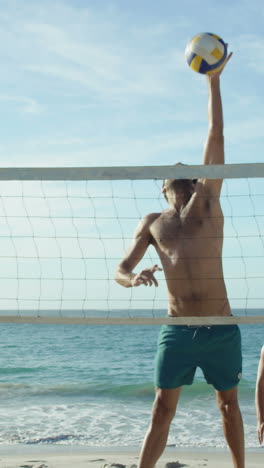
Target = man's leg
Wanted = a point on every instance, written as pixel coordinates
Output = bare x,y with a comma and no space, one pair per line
163,411
232,425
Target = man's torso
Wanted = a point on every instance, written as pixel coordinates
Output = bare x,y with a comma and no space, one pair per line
189,245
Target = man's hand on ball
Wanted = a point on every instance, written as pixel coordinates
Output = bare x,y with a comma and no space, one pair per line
212,76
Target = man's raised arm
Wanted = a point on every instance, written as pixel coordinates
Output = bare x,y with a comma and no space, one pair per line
214,145
260,397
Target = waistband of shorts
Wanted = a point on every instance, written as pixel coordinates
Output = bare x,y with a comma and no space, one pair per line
196,327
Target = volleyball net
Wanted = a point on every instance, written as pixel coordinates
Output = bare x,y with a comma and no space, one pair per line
63,231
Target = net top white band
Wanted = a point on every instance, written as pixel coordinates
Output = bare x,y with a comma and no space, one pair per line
212,171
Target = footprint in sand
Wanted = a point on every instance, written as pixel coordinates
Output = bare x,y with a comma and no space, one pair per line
114,465
34,466
174,465
118,465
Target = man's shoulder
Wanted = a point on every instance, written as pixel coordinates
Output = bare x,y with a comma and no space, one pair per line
151,217
147,221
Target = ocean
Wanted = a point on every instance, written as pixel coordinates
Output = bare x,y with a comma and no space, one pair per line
92,386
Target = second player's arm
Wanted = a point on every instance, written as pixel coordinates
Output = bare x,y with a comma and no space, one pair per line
260,397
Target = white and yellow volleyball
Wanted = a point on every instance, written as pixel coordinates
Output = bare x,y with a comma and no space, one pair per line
206,53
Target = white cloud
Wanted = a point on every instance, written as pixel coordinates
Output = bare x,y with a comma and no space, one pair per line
24,104
122,151
93,50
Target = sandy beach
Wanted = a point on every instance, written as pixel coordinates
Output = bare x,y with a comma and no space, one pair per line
69,457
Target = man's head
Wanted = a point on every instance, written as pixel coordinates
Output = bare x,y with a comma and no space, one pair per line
172,187
178,187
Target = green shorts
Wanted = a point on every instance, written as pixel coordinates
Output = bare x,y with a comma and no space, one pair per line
216,350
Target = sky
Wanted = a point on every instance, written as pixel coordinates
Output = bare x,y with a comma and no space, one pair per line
105,83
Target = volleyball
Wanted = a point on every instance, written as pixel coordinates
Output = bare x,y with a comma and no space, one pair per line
206,53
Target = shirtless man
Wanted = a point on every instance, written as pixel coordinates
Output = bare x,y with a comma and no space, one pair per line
188,238
260,397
